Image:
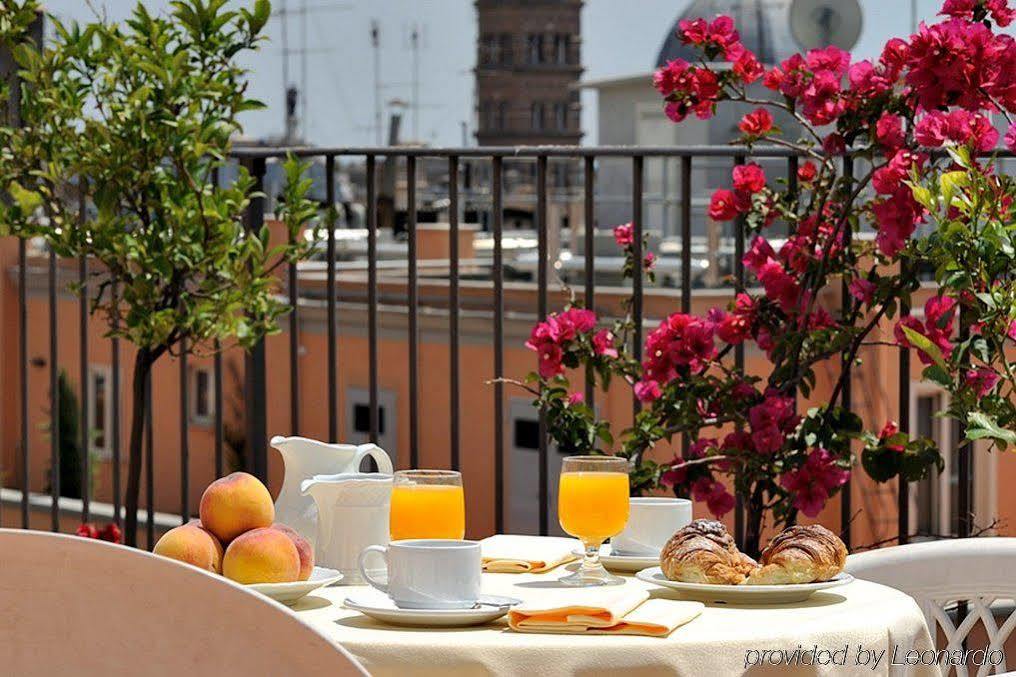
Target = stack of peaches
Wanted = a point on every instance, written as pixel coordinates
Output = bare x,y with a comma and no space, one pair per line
237,536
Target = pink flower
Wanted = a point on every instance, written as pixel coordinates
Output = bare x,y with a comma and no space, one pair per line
719,35
723,205
770,422
583,320
897,218
781,287
813,482
959,126
680,341
958,9
940,313
1010,137
756,123
832,59
111,533
758,254
807,172
647,391
887,179
889,132
576,398
747,67
718,500
834,144
670,77
888,430
749,178
603,343
550,364
623,235
862,289
87,530
982,381
1012,330
649,261
1001,12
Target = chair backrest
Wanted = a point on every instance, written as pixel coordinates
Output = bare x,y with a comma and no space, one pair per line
77,606
939,574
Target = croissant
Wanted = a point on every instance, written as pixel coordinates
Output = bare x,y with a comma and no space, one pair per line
800,554
703,552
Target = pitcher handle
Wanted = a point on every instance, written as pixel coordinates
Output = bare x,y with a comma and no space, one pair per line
380,456
362,561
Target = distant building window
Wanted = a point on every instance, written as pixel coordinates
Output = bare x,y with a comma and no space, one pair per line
502,115
507,56
562,48
202,395
534,48
100,392
561,116
489,50
536,116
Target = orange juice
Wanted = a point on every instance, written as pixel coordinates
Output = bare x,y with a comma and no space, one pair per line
593,506
428,511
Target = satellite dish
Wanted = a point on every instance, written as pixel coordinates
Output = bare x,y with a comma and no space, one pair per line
820,23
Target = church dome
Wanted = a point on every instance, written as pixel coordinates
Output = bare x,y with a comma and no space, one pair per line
764,26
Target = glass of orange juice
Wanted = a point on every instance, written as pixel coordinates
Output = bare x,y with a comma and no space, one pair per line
592,505
427,504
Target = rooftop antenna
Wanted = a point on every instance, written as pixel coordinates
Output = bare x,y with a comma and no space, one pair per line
298,96
416,82
375,41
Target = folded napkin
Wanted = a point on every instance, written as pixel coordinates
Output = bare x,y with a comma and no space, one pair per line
621,610
510,554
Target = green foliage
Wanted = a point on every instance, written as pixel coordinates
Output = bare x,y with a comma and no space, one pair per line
141,115
68,428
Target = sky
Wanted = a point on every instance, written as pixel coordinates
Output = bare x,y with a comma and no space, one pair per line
620,37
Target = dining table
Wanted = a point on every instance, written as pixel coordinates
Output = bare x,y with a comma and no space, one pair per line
861,628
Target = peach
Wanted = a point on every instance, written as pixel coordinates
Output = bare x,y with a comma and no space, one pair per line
303,547
192,544
234,504
262,555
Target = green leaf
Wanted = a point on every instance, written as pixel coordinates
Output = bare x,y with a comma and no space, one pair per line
980,425
923,343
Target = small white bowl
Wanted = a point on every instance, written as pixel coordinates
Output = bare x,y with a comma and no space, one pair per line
290,593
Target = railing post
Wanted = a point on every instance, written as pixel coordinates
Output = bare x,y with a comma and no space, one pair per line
255,374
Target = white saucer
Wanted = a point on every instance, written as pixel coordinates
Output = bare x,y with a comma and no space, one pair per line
743,594
290,593
380,606
623,563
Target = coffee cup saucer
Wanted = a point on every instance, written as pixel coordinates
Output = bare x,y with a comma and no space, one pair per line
380,607
624,563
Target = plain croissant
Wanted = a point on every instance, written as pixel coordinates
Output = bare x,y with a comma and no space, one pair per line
703,552
800,554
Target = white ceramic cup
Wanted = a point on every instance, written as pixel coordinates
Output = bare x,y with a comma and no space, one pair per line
428,573
651,522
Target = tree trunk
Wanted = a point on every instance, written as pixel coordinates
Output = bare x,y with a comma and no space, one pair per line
142,372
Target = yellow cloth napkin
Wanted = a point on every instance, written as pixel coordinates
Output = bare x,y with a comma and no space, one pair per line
512,554
621,610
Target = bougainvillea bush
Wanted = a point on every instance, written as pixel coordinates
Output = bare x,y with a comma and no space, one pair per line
916,125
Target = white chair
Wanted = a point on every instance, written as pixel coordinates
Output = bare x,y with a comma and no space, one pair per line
938,574
74,606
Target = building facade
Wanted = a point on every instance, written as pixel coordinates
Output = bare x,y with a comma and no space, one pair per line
528,63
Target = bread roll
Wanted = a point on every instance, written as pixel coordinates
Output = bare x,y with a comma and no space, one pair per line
800,554
703,552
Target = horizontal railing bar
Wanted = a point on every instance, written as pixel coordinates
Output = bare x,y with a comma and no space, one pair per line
539,151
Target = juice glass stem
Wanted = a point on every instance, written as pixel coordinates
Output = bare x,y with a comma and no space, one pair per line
591,572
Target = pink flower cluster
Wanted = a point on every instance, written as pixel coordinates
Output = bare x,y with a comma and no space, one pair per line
962,63
781,287
748,180
688,89
814,482
550,338
964,9
815,81
982,381
939,313
958,126
771,421
681,341
718,500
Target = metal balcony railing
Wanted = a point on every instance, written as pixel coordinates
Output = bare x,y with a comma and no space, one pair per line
492,160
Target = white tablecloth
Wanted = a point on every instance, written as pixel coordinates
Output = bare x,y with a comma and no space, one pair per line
845,624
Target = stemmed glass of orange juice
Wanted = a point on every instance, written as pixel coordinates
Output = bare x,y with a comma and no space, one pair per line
427,504
592,505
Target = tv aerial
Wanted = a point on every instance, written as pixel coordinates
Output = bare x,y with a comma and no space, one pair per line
820,23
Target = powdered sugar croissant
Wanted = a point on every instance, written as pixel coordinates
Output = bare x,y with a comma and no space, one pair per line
703,552
800,554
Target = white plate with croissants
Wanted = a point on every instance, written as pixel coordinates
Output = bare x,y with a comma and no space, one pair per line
702,562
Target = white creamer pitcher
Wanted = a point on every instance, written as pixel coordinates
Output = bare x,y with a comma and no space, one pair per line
352,514
304,458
